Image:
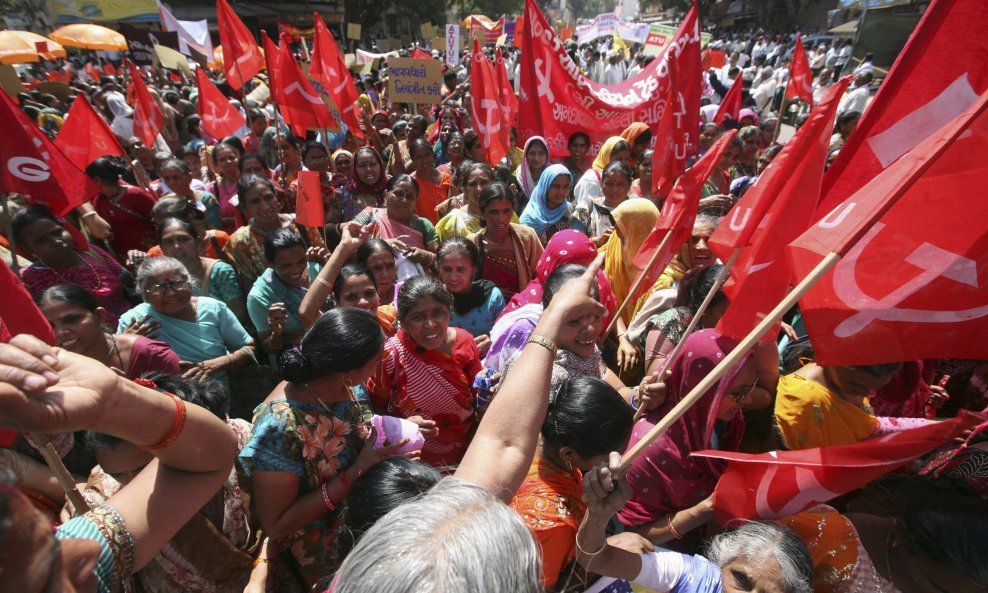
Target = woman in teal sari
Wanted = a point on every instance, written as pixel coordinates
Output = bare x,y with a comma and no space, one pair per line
202,331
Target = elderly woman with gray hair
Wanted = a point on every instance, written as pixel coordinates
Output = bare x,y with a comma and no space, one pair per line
203,332
756,556
461,535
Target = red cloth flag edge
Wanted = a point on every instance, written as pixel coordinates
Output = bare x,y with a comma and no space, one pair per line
731,104
790,187
328,68
35,166
800,77
148,119
86,136
219,118
301,106
782,483
679,212
309,209
242,59
488,118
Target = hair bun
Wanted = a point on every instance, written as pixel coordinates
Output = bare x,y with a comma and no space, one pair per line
295,366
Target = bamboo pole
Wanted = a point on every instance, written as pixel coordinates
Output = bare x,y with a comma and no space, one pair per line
15,266
731,359
709,298
62,474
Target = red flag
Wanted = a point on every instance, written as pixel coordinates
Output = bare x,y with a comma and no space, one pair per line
148,119
309,208
713,58
33,165
86,136
731,104
771,214
485,29
781,483
488,118
509,101
18,312
800,77
301,107
328,68
272,56
418,54
242,59
219,118
911,281
679,211
939,74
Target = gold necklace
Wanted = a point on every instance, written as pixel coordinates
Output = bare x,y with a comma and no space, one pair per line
354,419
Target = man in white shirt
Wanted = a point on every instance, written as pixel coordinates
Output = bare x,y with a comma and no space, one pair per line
857,98
614,72
866,66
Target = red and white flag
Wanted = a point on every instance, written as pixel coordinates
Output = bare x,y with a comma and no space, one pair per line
86,136
730,106
219,118
272,57
913,278
940,73
486,30
509,101
800,77
679,212
328,68
242,59
781,483
32,164
301,107
777,208
148,119
485,109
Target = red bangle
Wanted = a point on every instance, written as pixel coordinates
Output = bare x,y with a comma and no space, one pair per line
177,425
346,482
672,528
325,497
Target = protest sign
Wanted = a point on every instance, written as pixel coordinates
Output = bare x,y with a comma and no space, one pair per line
353,31
414,81
452,45
659,37
426,29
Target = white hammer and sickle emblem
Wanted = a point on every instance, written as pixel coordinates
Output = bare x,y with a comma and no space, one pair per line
296,87
932,260
488,128
810,491
544,90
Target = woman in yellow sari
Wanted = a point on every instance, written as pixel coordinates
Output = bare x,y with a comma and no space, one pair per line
633,221
824,406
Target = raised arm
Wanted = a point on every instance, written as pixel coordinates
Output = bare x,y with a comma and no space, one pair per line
353,235
503,448
48,389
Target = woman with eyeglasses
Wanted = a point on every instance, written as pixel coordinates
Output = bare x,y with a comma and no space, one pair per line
203,331
672,489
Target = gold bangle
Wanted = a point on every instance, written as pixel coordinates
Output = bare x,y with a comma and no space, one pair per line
323,281
544,342
259,561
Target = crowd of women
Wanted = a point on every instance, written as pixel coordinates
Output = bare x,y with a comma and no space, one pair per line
422,394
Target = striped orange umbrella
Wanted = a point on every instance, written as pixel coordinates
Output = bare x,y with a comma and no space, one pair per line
89,36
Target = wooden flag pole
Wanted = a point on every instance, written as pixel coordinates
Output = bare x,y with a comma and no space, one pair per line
721,279
638,283
731,359
62,474
15,266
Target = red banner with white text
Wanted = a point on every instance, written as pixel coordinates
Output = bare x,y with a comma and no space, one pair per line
556,99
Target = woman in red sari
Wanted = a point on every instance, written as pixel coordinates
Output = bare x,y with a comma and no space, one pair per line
427,372
126,208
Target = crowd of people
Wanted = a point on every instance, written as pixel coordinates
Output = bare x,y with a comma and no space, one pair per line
422,394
